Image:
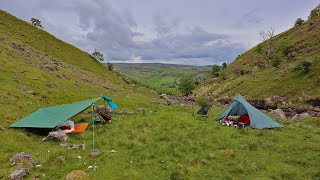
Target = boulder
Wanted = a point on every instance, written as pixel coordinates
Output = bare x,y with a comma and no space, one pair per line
56,136
76,174
258,103
22,157
278,100
19,174
278,113
298,117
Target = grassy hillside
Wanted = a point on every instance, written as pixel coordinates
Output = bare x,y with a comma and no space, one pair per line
168,142
161,77
252,74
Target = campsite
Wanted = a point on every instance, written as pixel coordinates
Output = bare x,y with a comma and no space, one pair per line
65,114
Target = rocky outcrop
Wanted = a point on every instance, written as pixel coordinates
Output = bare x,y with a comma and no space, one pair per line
21,158
298,117
19,174
278,113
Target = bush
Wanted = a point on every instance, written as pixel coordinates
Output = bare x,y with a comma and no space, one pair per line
224,65
315,12
215,70
305,65
298,22
259,49
186,85
276,61
110,66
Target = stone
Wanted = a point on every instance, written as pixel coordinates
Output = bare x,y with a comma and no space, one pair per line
318,114
61,158
22,157
279,100
317,109
75,146
76,174
278,113
50,85
19,174
56,136
298,117
23,88
140,110
2,129
94,153
31,92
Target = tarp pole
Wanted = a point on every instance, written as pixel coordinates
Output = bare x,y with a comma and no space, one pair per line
93,121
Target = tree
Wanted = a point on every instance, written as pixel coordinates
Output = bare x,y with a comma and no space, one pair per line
110,66
315,12
224,65
98,55
298,22
186,85
215,70
268,35
36,22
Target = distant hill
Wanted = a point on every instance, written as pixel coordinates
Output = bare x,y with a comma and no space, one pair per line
162,77
254,75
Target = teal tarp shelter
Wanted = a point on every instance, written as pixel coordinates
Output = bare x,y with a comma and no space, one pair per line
258,119
51,117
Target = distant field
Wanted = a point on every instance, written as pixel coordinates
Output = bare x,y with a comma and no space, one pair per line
161,77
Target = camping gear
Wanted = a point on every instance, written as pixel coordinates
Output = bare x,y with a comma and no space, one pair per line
51,117
67,126
258,119
79,128
204,109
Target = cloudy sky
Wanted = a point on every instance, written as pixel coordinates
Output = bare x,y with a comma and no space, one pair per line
198,32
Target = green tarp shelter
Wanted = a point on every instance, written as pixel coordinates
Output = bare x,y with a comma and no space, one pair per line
258,119
51,117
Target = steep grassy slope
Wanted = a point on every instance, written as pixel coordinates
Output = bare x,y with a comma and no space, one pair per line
253,75
162,77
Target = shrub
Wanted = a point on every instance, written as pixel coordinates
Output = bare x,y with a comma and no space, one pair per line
215,70
186,85
305,65
276,61
98,55
315,12
36,22
223,75
259,48
224,65
298,22
110,66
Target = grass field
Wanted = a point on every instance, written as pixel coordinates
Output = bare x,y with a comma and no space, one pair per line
168,142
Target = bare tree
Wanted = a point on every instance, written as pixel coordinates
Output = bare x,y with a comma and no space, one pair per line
267,35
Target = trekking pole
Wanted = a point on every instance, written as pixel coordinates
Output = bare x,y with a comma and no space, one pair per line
93,119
